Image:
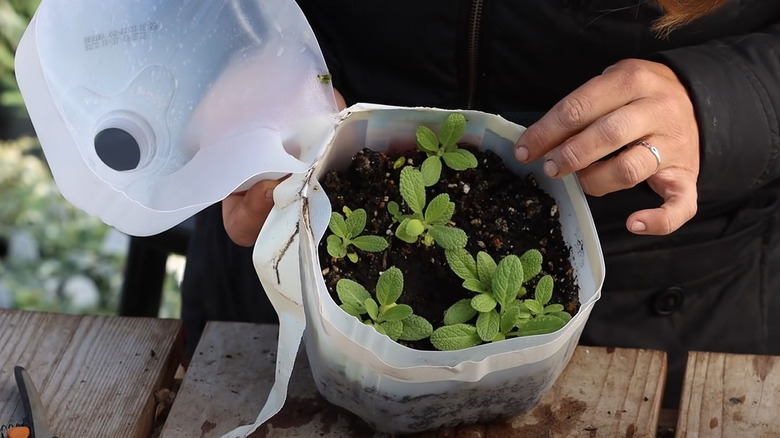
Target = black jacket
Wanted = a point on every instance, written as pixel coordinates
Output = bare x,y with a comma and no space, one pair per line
710,285
519,57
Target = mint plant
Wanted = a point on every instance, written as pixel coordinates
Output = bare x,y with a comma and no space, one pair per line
346,233
499,311
397,321
431,221
444,147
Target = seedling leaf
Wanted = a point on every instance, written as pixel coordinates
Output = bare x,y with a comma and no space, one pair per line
553,308
541,325
455,337
507,280
565,316
483,302
404,234
532,264
448,237
352,293
336,247
415,227
338,225
426,139
544,290
393,329
534,306
372,308
439,210
389,286
510,318
459,313
352,310
394,209
431,170
462,263
355,223
488,324
460,159
397,313
412,188
416,328
452,130
370,243
475,285
486,267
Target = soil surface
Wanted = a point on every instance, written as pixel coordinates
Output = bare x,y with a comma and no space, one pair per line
500,212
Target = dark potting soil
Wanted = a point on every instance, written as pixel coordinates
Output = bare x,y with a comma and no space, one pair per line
500,212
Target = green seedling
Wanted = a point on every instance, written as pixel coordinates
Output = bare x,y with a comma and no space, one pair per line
499,310
429,222
346,233
444,147
395,211
397,321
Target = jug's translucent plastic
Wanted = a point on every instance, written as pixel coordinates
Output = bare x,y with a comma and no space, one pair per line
149,111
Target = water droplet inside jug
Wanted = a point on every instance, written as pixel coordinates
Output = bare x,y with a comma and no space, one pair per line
118,149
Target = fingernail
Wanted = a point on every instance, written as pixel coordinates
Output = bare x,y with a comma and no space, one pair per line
521,153
269,194
550,168
638,226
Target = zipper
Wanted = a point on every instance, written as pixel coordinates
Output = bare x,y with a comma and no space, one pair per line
472,51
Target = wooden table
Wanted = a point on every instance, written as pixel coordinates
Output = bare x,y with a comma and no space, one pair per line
602,392
97,375
730,395
100,376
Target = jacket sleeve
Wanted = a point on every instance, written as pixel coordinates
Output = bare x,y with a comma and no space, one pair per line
734,84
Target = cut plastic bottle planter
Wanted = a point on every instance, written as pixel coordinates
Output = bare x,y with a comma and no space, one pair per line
149,111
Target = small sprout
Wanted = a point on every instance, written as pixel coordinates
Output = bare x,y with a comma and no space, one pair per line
444,147
397,321
395,211
325,78
455,337
431,221
346,233
399,162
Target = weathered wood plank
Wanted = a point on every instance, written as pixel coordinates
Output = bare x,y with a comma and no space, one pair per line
602,393
97,375
730,395
227,380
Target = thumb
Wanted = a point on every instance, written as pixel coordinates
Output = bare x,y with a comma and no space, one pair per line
244,213
677,209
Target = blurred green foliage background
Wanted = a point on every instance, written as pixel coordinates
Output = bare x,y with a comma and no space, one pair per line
53,256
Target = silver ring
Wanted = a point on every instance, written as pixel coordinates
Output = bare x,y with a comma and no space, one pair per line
654,151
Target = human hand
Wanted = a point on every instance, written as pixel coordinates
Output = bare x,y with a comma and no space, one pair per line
244,213
632,103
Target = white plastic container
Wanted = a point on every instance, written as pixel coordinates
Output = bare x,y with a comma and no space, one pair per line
210,97
401,390
215,96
